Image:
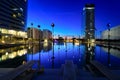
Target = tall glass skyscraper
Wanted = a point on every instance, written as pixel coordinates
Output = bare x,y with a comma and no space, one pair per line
89,21
13,16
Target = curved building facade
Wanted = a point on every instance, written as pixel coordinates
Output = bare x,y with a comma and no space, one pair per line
13,18
13,15
89,21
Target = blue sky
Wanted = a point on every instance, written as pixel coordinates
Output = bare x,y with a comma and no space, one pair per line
67,15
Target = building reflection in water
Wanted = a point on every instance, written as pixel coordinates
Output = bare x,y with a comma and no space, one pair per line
111,53
109,64
53,57
66,49
89,52
12,57
11,53
45,47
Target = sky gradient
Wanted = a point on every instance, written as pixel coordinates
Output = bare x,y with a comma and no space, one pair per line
67,15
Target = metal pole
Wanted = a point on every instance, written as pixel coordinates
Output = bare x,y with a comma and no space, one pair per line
53,44
109,64
39,47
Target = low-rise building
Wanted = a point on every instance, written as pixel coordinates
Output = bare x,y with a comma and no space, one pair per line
47,34
34,33
113,33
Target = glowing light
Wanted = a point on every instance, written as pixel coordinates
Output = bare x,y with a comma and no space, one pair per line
76,43
22,22
12,55
4,57
45,44
4,31
13,32
92,40
21,9
89,8
19,14
6,36
6,53
14,15
45,40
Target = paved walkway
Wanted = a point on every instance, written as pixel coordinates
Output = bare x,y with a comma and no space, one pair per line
59,74
3,71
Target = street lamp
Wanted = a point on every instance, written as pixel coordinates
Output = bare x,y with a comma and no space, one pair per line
52,25
108,26
32,33
53,30
39,47
39,34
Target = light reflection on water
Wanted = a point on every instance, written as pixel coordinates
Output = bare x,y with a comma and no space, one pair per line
80,54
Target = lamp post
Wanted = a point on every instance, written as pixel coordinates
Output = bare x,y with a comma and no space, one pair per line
39,35
108,26
32,33
52,25
32,39
53,30
39,48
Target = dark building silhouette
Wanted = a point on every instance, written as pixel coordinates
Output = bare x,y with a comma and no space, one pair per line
13,14
89,21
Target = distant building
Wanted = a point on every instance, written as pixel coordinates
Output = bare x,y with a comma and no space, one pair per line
34,33
89,21
114,33
13,16
47,34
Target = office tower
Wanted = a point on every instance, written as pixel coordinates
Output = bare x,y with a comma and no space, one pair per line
13,16
89,21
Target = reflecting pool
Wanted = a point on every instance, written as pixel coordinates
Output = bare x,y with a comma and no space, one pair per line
51,56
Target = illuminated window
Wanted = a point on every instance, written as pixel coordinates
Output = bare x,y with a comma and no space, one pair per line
15,9
4,31
21,9
13,32
19,14
22,22
14,15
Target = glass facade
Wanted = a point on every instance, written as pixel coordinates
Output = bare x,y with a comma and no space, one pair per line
13,14
89,21
13,17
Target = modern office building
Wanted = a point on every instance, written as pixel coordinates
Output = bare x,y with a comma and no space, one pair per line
89,21
34,33
13,16
47,34
113,33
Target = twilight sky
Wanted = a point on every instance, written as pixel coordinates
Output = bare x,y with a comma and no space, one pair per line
67,15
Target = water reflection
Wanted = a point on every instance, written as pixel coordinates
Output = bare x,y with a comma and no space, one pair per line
81,54
45,47
11,53
89,52
53,57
